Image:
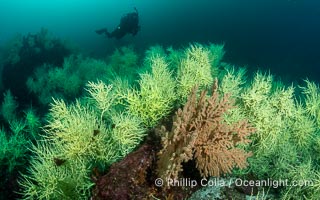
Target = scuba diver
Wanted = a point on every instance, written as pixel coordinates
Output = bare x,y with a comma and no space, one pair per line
128,24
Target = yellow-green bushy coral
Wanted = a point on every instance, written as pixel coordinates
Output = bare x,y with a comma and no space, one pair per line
50,176
314,187
312,100
232,80
174,58
8,107
102,96
311,105
17,126
75,139
153,51
3,143
13,148
79,132
307,181
282,125
258,92
216,53
66,82
194,69
128,132
282,100
257,107
50,81
124,63
232,84
303,128
15,139
156,96
33,123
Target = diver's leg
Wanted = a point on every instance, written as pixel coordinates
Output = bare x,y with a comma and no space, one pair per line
102,31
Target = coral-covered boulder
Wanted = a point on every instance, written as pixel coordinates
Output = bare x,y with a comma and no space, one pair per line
129,178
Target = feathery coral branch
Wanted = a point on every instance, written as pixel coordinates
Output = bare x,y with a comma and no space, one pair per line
199,132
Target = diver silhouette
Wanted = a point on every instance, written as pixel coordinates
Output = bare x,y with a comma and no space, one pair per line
129,24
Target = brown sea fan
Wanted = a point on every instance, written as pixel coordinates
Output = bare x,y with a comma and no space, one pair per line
200,132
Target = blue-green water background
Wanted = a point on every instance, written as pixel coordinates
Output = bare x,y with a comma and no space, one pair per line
280,35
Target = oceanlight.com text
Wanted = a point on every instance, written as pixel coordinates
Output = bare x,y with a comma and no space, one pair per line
220,182
274,183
